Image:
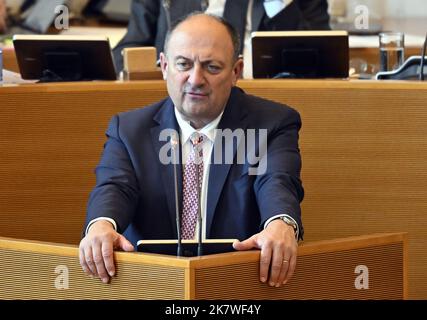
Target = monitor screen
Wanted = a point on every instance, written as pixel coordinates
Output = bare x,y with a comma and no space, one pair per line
300,54
64,58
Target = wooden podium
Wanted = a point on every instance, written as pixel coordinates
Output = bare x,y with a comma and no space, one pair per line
363,267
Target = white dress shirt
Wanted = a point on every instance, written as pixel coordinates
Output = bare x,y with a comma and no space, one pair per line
186,130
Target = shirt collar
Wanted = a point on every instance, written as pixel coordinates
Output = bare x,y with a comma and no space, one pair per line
187,130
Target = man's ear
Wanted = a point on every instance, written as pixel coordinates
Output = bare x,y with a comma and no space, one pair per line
164,65
237,70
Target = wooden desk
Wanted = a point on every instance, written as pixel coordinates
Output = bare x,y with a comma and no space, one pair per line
325,270
363,148
9,60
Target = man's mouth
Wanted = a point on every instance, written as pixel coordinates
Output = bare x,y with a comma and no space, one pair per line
194,94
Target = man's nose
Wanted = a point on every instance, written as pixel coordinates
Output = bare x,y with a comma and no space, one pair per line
197,76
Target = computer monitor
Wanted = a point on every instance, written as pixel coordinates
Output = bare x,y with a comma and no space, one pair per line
300,54
64,58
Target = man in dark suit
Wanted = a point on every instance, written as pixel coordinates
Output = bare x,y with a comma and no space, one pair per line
257,202
150,19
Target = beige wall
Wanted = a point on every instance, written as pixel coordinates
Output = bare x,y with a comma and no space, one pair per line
383,8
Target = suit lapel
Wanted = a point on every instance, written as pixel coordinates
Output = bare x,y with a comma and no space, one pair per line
166,120
233,118
257,14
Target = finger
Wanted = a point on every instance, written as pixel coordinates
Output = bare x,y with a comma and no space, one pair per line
108,257
83,263
276,266
264,262
89,261
284,269
291,269
99,263
247,244
125,245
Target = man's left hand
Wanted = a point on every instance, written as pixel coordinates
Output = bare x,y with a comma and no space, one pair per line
278,252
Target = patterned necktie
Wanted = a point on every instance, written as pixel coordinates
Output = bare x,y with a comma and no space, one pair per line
192,184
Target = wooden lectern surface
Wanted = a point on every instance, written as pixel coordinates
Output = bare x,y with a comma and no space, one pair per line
328,272
363,267
363,148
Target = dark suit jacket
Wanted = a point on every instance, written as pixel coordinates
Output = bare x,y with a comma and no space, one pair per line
136,190
148,23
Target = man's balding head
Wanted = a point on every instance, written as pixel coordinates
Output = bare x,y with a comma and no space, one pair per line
200,18
201,65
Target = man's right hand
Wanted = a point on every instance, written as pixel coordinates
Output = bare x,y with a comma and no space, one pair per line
96,250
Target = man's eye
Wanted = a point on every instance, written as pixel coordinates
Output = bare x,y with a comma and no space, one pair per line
214,68
183,65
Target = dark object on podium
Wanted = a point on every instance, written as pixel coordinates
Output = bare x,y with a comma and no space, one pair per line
413,69
52,58
409,70
169,247
300,54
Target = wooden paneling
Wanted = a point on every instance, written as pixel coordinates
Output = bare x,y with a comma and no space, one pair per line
47,271
318,276
53,137
9,60
326,270
363,147
364,161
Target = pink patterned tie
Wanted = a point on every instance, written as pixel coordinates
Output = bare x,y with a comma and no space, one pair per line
192,184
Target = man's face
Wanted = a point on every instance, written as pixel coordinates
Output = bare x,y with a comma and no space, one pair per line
199,69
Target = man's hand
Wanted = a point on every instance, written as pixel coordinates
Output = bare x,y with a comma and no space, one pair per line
96,250
3,16
278,252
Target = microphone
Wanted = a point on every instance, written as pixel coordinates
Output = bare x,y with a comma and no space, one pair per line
423,57
174,144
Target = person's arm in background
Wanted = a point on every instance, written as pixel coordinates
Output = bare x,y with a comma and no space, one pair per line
3,16
297,15
142,28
